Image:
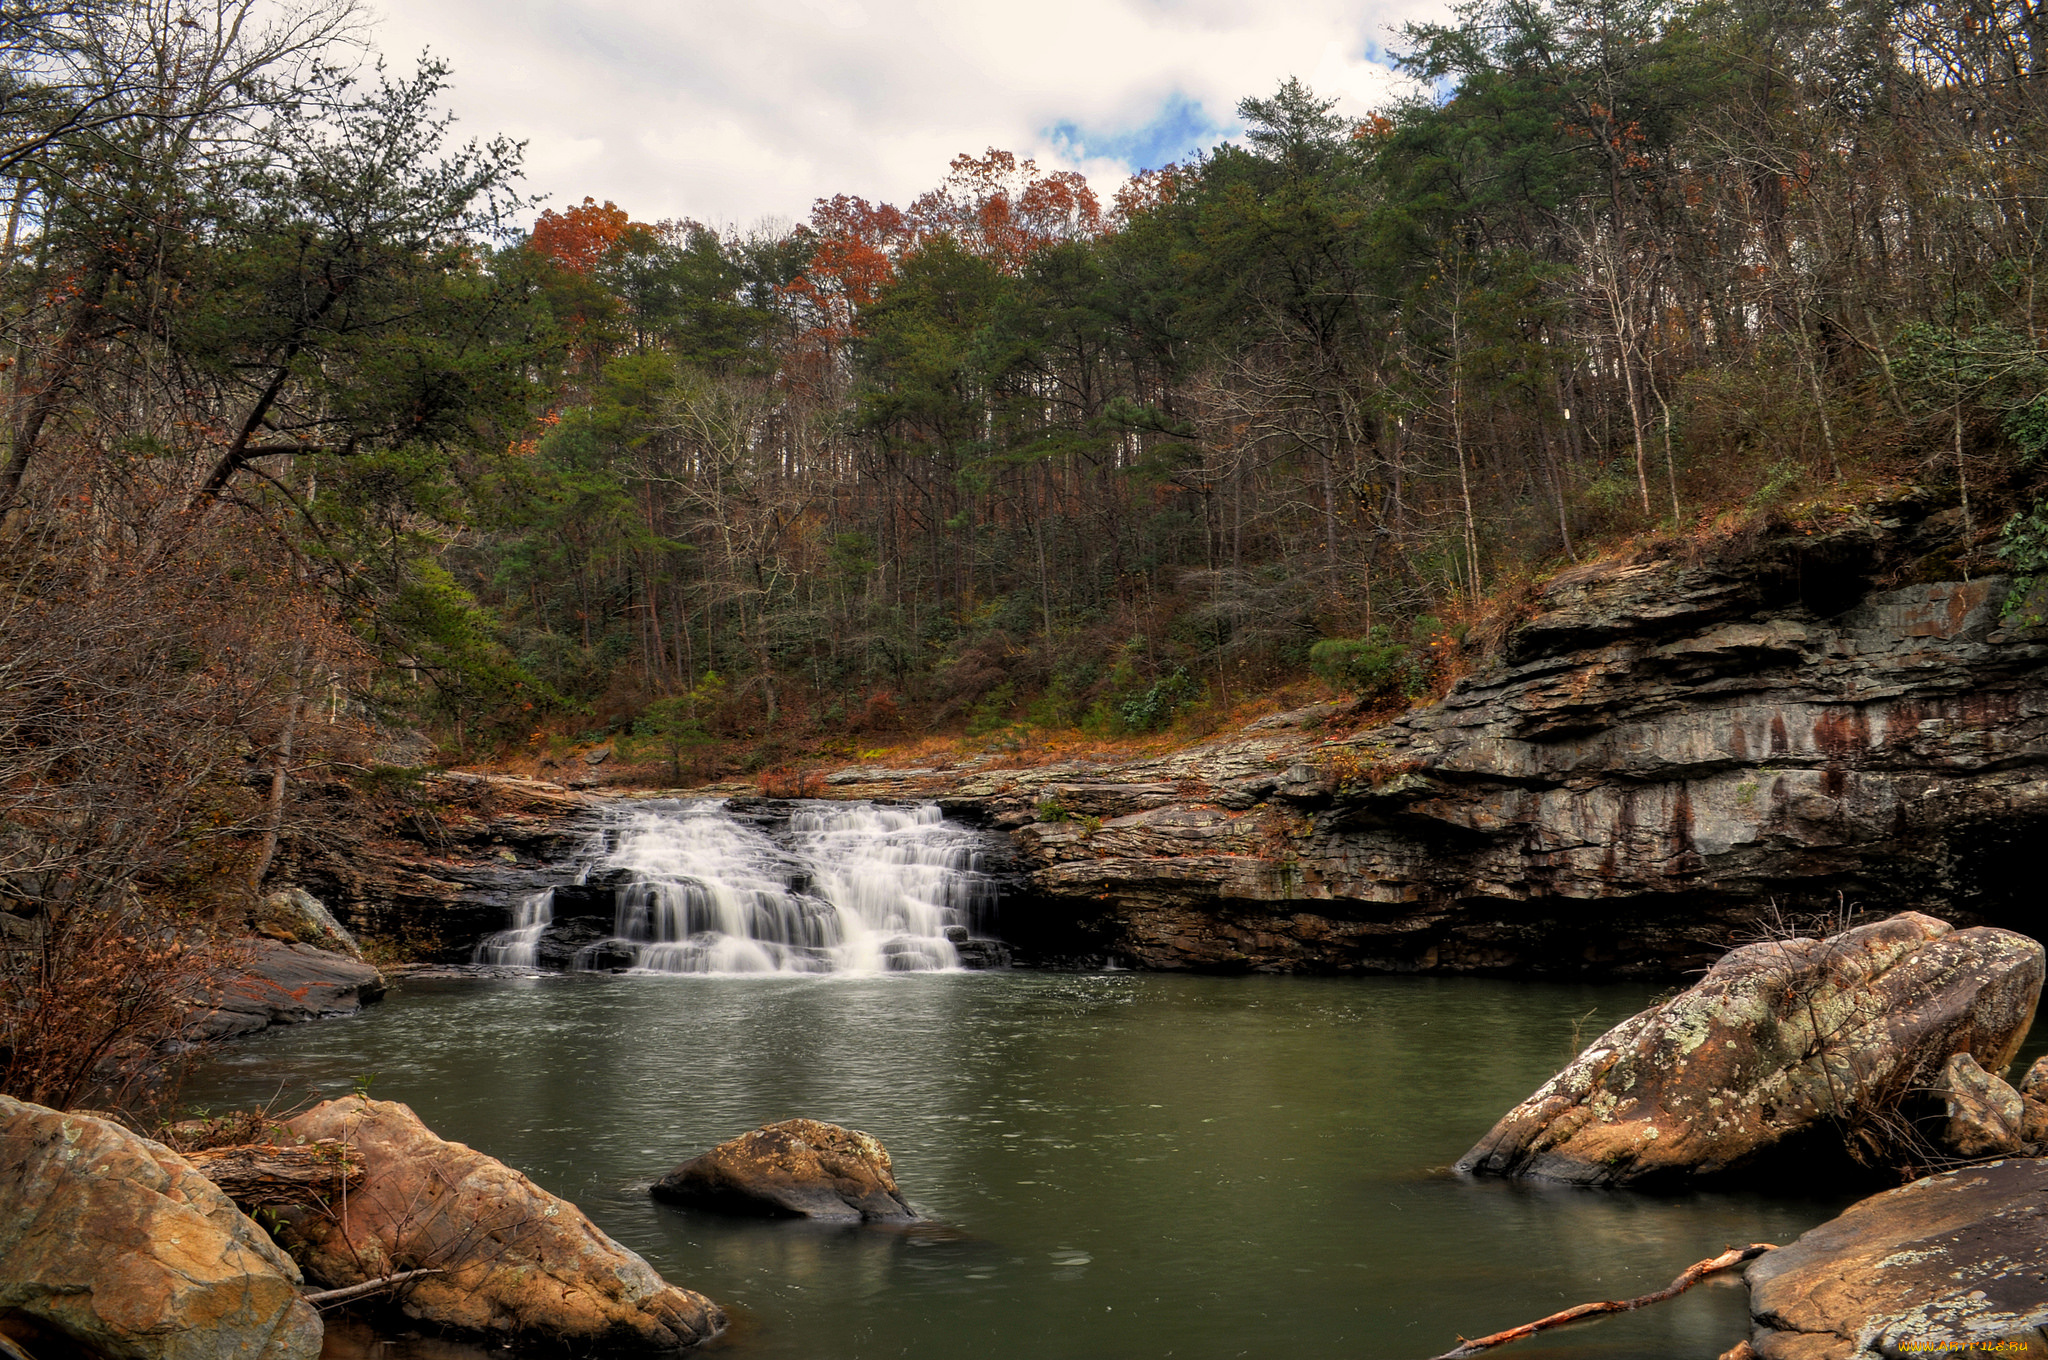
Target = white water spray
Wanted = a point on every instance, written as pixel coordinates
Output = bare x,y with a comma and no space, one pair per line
843,888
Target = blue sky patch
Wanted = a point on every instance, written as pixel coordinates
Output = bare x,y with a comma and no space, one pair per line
1180,128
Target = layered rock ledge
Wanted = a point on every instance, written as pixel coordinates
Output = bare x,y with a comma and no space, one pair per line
1660,747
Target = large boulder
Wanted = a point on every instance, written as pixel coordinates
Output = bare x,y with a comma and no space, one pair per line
1940,1265
273,983
519,1264
1780,1039
800,1168
116,1245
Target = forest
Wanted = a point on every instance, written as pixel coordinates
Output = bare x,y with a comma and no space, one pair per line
307,439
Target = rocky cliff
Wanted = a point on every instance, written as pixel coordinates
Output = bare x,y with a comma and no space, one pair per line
1655,753
1661,750
429,872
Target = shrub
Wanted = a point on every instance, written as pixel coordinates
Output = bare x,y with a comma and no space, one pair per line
1376,666
1159,705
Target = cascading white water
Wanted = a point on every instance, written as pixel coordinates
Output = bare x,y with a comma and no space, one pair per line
841,888
520,946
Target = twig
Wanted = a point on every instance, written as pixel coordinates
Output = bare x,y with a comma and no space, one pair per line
1694,1273
326,1298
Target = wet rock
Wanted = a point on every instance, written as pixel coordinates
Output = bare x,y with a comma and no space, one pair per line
800,1168
983,954
1780,1039
284,984
1947,1262
520,1264
1985,1116
118,1246
566,943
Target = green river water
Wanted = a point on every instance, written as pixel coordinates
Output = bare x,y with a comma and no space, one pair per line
1115,1164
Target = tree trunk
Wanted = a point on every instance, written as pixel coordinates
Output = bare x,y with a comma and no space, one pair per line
263,1175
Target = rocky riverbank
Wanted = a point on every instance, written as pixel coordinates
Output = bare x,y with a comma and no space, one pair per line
1651,754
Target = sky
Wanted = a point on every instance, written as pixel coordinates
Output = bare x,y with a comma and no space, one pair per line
741,114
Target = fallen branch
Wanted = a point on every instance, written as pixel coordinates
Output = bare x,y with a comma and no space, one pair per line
327,1298
1694,1273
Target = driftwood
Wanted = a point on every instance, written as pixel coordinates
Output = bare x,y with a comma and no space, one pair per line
278,1176
327,1298
1694,1273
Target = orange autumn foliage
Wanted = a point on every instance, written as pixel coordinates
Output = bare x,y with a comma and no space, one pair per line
579,239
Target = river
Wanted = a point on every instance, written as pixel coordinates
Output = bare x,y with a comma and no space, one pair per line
1116,1164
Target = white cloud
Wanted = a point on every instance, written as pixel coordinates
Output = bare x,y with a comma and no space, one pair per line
728,112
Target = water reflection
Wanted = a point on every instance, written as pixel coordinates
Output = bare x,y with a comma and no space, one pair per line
1126,1164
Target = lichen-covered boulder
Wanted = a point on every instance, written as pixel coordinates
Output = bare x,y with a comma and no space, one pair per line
1985,1116
117,1245
519,1264
800,1168
1780,1039
1934,1267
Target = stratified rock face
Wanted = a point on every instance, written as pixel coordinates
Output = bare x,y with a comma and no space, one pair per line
285,984
440,880
800,1168
1930,1267
1779,1039
117,1244
1660,747
520,1264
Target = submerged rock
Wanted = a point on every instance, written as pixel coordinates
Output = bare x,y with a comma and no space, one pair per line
118,1246
800,1168
1779,1039
520,1264
1945,1263
284,984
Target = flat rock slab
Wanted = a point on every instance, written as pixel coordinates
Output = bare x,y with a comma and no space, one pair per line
800,1168
117,1245
285,984
1934,1267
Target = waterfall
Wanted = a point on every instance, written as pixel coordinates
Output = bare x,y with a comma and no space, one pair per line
694,888
520,946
